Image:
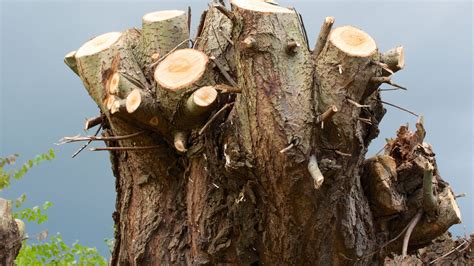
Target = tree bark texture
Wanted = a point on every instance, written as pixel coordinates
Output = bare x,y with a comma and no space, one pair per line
10,234
242,192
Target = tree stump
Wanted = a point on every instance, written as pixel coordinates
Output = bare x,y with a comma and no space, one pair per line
254,145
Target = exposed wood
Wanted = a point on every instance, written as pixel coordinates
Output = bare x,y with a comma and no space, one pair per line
141,108
249,42
181,69
227,89
180,141
323,35
118,106
70,61
316,174
120,85
196,109
292,47
161,32
200,101
100,58
93,121
178,75
332,109
394,58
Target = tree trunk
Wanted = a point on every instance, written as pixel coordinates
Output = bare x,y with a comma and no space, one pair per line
11,234
269,170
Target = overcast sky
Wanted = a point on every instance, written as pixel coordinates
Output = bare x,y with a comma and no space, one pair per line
41,100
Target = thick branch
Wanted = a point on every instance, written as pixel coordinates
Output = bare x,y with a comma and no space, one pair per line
430,203
394,58
161,32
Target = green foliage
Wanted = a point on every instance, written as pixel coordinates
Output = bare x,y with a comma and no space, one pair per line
34,214
5,176
56,252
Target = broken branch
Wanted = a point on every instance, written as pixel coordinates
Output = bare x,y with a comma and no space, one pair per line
70,61
430,203
126,148
94,121
332,109
314,171
398,107
386,80
323,35
95,138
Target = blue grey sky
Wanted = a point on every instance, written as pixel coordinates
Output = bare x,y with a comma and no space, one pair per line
41,100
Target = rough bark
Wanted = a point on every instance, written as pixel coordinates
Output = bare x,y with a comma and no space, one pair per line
10,234
272,169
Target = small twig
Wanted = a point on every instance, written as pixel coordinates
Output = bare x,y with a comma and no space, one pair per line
189,19
381,150
392,89
383,66
365,120
249,42
92,122
170,52
126,148
398,107
220,48
356,104
388,242
343,153
328,114
411,226
226,88
134,81
287,148
227,105
95,138
460,195
292,47
226,37
386,80
225,12
224,72
450,252
87,144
